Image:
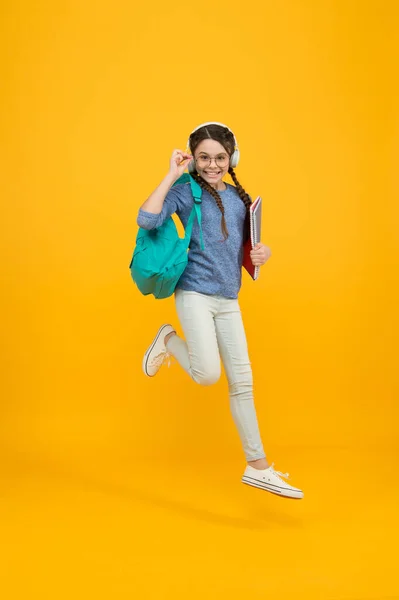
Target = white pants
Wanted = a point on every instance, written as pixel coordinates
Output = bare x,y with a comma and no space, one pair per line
212,324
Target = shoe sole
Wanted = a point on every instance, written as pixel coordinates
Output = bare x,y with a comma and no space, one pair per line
146,355
262,486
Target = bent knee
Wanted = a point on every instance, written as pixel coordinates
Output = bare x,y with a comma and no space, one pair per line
206,377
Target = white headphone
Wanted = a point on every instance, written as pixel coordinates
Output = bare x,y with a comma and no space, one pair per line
234,158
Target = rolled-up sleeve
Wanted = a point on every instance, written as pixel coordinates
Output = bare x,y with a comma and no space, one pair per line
147,220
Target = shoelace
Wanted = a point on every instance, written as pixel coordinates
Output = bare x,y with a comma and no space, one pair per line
285,475
164,357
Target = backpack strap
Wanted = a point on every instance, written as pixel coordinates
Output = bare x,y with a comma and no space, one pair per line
196,191
196,212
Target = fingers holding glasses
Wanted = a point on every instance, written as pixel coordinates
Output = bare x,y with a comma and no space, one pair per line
179,161
179,156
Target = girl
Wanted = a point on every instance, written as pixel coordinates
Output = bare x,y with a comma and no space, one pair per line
206,294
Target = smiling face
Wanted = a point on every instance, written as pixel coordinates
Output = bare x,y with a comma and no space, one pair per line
212,162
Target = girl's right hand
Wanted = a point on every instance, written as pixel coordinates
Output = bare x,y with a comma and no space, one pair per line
178,163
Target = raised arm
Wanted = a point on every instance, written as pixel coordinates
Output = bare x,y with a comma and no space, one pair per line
178,163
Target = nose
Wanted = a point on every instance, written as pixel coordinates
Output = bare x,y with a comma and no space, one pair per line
210,162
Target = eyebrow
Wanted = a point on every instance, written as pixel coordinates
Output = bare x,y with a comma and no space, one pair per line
218,154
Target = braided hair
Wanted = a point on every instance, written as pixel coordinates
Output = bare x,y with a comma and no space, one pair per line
226,139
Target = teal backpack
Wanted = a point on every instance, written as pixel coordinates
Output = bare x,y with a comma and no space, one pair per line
160,255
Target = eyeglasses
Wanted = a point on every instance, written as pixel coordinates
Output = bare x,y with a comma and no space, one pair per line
203,161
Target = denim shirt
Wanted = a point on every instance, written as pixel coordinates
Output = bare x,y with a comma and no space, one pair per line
217,269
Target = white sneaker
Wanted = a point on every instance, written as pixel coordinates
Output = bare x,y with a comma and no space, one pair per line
157,353
271,481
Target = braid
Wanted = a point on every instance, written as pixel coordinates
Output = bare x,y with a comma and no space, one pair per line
245,198
241,192
213,192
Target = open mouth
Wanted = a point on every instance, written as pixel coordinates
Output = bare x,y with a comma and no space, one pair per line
212,174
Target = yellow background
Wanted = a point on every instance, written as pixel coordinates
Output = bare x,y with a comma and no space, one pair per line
95,96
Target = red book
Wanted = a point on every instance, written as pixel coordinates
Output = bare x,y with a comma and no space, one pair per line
255,216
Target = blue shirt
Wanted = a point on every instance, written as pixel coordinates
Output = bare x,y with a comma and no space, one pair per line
217,269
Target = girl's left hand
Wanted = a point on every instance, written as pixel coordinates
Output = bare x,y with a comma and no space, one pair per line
260,254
